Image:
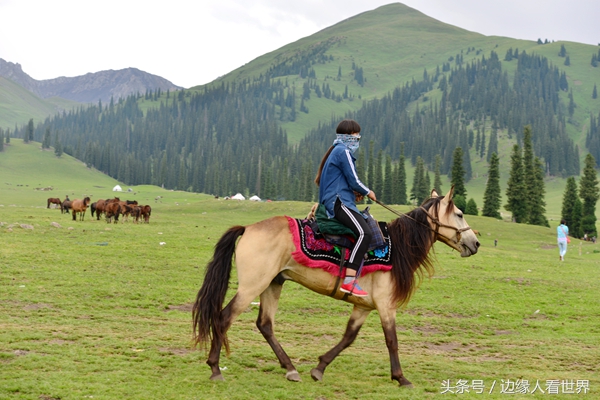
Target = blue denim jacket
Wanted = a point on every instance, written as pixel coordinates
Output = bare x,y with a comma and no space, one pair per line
339,180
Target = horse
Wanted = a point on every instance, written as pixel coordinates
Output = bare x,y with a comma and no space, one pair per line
98,208
264,262
65,206
79,206
145,212
113,209
54,200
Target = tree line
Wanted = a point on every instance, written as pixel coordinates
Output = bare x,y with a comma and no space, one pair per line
227,138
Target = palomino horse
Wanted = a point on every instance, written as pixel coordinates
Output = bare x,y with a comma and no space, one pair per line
79,206
264,262
54,200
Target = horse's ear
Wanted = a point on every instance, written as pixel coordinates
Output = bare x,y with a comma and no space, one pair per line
449,195
434,194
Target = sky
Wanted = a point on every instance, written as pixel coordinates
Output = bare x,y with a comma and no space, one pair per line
193,42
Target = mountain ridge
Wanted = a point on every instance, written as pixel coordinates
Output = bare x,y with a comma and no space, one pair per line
88,88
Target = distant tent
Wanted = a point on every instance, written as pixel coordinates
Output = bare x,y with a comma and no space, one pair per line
254,198
238,197
117,189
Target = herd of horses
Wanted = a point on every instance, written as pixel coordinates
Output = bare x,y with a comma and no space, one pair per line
110,208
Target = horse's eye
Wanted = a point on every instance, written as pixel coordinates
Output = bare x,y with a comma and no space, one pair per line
459,215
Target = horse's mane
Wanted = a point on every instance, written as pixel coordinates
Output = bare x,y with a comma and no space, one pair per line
412,239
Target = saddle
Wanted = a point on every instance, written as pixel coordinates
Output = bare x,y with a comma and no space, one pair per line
339,234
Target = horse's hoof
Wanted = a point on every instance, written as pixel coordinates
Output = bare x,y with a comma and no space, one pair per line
217,377
405,383
316,374
293,376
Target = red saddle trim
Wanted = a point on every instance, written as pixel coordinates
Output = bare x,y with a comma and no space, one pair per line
330,266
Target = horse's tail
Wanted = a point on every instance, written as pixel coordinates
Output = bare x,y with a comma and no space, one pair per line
93,208
207,317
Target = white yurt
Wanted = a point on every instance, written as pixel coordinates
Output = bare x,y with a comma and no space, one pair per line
254,198
117,189
238,196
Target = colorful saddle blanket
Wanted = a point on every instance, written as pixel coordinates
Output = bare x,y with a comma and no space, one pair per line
312,250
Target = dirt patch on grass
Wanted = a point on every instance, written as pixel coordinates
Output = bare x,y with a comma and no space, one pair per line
182,307
426,330
38,306
548,246
464,352
427,313
175,351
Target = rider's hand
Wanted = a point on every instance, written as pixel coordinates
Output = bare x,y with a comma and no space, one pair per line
372,196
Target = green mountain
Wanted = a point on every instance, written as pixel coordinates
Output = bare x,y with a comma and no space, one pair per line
412,82
393,45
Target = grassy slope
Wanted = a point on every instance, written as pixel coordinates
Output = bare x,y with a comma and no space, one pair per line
18,105
101,310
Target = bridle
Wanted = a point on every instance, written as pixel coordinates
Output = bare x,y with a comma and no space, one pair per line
453,242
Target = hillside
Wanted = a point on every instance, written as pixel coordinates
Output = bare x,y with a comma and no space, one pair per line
385,68
395,44
18,105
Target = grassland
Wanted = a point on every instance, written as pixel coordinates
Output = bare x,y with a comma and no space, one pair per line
92,310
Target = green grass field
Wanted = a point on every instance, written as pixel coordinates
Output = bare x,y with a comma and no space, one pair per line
92,310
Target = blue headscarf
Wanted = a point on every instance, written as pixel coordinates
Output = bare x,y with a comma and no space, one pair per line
352,142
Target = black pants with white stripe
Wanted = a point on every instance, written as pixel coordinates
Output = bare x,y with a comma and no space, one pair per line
357,223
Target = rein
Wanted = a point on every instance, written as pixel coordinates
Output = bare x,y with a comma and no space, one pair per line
434,219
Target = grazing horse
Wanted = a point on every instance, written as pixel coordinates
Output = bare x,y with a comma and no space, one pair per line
54,200
79,206
264,261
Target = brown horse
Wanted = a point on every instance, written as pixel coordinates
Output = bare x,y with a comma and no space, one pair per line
79,206
54,200
264,262
65,206
145,212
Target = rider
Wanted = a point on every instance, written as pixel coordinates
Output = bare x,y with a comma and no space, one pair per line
338,187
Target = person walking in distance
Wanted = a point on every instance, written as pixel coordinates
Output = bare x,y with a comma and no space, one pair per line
562,233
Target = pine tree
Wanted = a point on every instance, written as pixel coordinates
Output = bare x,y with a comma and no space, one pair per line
437,180
537,202
492,194
458,173
492,146
387,181
46,141
482,149
378,186
417,192
515,192
528,170
589,193
1,140
570,196
371,167
58,150
594,92
401,185
471,208
28,136
576,227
